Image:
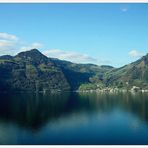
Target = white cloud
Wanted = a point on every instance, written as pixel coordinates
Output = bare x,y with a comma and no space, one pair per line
32,46
8,43
5,43
124,9
135,54
70,56
73,57
37,45
6,36
11,44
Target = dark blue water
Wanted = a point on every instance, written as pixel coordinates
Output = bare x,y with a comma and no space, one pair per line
74,118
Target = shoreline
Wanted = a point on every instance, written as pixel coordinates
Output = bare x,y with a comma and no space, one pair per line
103,90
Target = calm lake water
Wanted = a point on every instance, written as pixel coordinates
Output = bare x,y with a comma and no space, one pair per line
74,118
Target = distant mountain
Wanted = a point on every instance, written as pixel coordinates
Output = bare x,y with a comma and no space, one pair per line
6,57
30,71
134,74
78,74
33,71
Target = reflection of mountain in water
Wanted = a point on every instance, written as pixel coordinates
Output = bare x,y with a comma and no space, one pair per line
31,110
35,110
137,103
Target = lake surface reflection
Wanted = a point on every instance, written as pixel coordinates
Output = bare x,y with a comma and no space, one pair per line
74,118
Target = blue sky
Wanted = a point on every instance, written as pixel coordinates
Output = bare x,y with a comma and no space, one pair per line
103,34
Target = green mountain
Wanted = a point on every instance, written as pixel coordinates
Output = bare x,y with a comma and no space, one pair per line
33,71
134,74
30,71
78,74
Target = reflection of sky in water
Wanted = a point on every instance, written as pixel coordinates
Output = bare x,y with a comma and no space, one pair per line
7,133
80,119
102,125
135,125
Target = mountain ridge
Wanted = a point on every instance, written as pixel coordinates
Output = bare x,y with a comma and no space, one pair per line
33,71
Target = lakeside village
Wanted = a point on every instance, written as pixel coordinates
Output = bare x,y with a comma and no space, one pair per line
110,89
